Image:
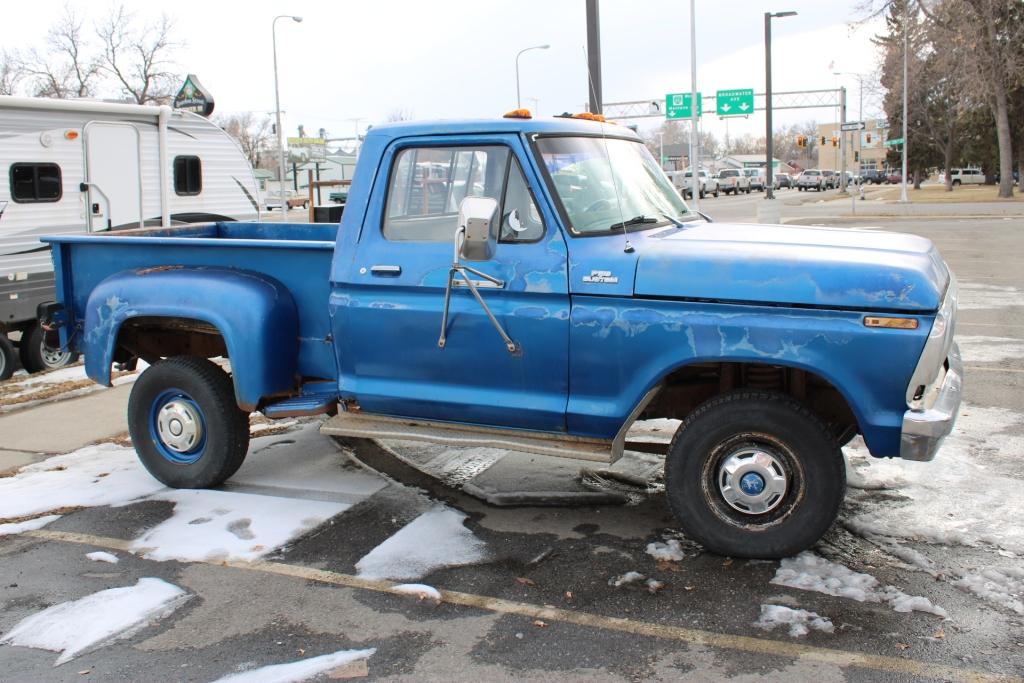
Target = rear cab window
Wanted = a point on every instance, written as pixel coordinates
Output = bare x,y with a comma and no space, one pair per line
427,184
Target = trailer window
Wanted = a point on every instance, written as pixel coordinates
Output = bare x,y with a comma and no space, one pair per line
188,176
35,182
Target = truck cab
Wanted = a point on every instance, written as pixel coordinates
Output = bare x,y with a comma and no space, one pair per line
536,285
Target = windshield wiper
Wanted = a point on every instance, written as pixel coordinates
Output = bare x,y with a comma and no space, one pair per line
635,220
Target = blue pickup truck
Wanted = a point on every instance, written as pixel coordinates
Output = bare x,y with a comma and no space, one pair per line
535,285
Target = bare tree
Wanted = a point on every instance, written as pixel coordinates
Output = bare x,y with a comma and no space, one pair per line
139,58
11,72
252,134
399,114
67,68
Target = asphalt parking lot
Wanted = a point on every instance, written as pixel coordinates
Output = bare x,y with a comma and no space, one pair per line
300,554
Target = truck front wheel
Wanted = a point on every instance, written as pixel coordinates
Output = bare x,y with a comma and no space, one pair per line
185,425
754,474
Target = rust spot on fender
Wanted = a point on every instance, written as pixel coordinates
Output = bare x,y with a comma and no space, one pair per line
157,269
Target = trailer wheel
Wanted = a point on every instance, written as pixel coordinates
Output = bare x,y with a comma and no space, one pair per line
7,357
185,425
754,474
37,355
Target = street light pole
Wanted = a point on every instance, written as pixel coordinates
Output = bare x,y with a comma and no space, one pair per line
519,103
277,105
770,151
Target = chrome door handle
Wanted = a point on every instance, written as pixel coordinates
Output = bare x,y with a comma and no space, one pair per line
386,271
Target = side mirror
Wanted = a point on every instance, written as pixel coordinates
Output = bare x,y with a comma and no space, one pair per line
476,218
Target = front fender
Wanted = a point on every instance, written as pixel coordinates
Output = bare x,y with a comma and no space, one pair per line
255,315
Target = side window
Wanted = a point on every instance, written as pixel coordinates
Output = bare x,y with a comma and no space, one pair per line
428,183
188,175
35,182
520,220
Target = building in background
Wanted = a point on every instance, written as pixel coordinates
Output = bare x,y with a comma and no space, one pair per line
867,156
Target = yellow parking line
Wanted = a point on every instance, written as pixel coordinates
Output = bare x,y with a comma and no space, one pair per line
841,658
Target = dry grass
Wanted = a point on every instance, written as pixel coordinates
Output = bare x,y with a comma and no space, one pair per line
934,193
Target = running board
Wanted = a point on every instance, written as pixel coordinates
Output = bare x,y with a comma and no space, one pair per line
542,443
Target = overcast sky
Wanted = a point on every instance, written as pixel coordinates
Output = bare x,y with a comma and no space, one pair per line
456,58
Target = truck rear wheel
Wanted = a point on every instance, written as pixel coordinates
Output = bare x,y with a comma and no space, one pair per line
185,425
754,474
37,355
7,357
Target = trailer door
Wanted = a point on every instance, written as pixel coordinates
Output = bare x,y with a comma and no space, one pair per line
113,175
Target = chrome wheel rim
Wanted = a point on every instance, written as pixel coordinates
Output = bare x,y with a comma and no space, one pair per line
752,480
179,426
53,357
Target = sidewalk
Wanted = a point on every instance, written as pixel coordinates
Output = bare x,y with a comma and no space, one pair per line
28,435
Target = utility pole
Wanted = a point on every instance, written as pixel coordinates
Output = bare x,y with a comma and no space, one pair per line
594,56
842,139
906,20
694,107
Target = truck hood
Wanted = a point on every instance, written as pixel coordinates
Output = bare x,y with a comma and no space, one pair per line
868,270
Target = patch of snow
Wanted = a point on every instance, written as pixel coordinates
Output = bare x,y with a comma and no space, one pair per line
974,296
969,495
422,591
670,551
1004,587
100,556
301,670
95,475
29,525
74,627
227,526
659,430
257,429
982,349
437,538
800,621
628,577
810,572
653,585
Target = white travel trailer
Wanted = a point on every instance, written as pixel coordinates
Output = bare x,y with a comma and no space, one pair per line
84,166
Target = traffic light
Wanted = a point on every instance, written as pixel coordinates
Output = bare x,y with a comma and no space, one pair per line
867,138
822,140
801,140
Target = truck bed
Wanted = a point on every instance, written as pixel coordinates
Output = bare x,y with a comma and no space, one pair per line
297,255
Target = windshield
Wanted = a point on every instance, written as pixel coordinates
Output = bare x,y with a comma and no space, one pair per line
609,184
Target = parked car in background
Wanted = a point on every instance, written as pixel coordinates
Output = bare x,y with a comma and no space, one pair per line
781,180
272,200
873,177
894,178
338,196
831,179
811,179
732,180
683,180
967,176
757,179
852,178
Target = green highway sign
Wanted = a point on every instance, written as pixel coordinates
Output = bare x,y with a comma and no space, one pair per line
894,142
678,106
735,102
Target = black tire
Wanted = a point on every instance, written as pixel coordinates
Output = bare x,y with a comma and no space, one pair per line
956,182
8,358
37,356
801,452
197,389
716,193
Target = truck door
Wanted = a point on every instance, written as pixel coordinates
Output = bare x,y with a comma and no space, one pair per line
387,308
113,175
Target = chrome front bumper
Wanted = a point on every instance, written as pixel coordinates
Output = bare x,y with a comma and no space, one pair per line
924,430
